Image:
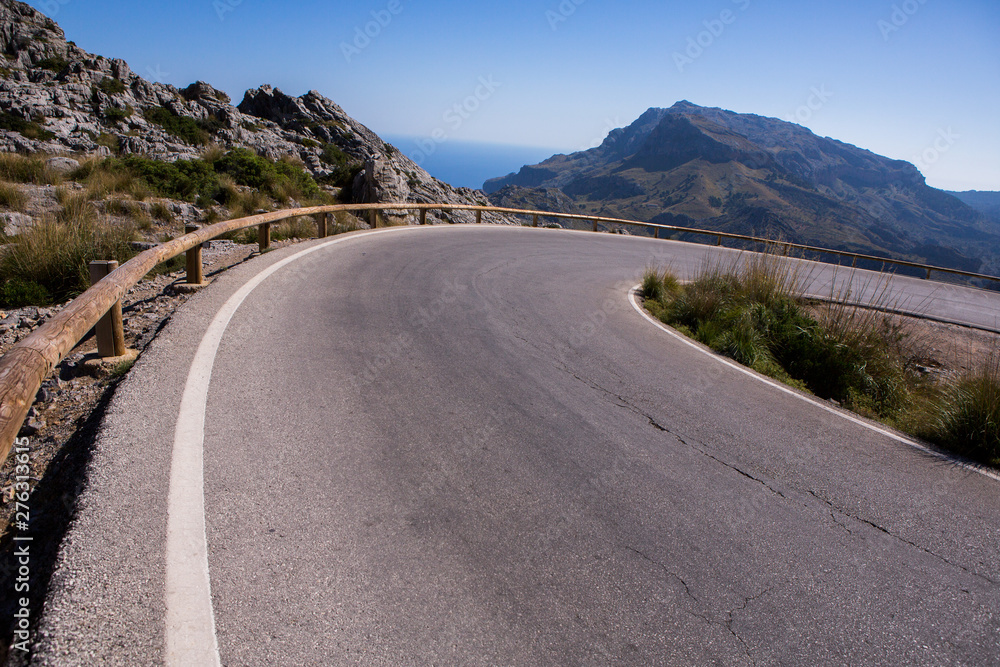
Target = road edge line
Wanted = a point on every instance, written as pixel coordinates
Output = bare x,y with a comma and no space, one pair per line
190,619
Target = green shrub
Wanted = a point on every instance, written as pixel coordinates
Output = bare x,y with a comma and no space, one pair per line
344,167
749,312
967,418
114,115
27,128
188,130
111,86
15,292
53,63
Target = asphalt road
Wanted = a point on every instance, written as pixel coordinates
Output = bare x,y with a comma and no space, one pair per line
465,446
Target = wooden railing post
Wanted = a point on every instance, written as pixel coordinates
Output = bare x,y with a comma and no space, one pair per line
479,217
110,329
264,236
534,221
322,225
195,274
423,216
595,225
718,240
373,216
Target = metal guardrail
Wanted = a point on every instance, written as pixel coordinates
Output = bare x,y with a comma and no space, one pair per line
26,365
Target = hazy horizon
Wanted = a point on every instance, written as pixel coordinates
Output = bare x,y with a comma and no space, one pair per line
909,79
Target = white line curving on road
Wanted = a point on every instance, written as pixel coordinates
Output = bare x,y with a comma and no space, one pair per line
633,299
190,621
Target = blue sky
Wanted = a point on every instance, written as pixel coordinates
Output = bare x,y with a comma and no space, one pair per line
917,80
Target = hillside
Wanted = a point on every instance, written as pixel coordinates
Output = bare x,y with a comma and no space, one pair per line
987,203
715,169
57,99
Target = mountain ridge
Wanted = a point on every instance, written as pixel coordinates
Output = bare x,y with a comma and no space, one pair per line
720,170
56,98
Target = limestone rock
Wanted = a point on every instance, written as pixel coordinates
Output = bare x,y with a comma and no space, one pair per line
59,99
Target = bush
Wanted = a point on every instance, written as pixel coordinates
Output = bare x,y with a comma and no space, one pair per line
50,262
111,86
344,167
748,312
27,128
188,130
967,419
53,64
16,292
114,115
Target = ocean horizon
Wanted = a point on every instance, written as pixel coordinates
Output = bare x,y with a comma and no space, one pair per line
468,163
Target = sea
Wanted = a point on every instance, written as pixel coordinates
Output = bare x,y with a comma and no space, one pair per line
468,163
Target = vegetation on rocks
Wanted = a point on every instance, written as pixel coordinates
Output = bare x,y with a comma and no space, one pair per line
49,263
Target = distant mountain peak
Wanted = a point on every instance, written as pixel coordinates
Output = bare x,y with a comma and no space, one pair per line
718,169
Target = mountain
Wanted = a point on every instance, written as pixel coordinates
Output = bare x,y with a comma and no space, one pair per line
719,170
986,202
56,98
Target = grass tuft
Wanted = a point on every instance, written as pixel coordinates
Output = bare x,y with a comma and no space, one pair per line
49,263
752,312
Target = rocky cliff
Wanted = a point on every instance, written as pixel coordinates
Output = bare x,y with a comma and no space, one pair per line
56,98
715,169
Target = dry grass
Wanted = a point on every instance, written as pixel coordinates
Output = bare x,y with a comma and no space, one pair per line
12,197
49,263
27,169
752,311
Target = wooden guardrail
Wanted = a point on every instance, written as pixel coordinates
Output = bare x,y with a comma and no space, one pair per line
26,365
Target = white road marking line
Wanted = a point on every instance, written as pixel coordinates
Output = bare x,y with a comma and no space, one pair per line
633,294
190,621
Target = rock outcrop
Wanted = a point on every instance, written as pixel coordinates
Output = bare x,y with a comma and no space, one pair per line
56,98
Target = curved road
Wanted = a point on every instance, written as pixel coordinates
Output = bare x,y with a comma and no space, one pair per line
463,445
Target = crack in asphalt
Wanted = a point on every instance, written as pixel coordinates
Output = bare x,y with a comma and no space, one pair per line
728,623
905,541
622,402
670,573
